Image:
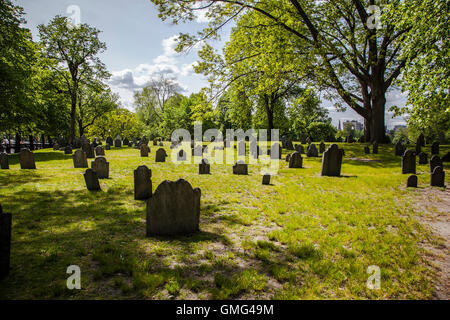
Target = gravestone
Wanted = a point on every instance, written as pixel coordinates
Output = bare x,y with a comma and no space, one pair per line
101,166
409,162
77,143
240,168
155,142
4,162
295,161
437,177
435,148
289,145
145,150
109,141
308,141
99,151
284,139
366,150
161,144
312,151
95,143
174,209
288,157
142,183
446,158
350,139
421,140
435,161
418,148
322,147
399,149
83,139
411,182
79,159
126,142
88,149
107,146
423,158
56,146
91,179
5,243
204,167
375,148
300,149
160,155
68,149
241,148
266,179
275,151
26,159
118,142
181,155
332,161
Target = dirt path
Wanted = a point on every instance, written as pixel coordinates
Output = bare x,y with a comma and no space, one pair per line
436,205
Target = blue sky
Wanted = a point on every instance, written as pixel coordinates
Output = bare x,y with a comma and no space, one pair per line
141,46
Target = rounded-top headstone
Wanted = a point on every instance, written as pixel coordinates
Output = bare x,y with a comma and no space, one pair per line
411,182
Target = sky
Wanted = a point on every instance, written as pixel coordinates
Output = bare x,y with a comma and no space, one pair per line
140,46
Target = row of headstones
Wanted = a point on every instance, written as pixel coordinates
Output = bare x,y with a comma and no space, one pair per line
436,169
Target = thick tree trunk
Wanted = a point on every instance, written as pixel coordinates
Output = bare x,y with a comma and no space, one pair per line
269,113
72,119
367,129
377,129
80,128
31,141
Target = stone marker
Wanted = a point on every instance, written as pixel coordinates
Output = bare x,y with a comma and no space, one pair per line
160,155
79,159
204,167
145,150
409,162
366,150
322,147
418,148
174,209
68,149
438,177
300,149
161,144
142,183
126,142
288,157
91,179
101,166
312,151
399,149
108,146
435,161
109,141
421,140
26,159
435,148
350,139
446,158
88,149
375,148
240,168
332,161
4,162
266,179
118,142
295,161
423,158
289,145
99,151
5,243
411,182
155,142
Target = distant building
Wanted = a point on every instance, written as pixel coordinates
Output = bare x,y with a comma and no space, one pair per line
356,125
399,126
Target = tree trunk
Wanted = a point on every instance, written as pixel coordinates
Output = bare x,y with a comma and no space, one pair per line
378,130
72,118
366,130
80,128
17,146
268,102
31,141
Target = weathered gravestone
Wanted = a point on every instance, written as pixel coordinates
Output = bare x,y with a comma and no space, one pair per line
118,142
145,150
284,139
322,147
409,162
126,142
289,145
240,168
79,159
423,158
99,151
411,182
5,243
68,149
350,139
295,161
91,179
266,179
375,148
107,146
399,149
88,149
26,159
312,151
101,166
435,161
366,150
435,148
332,161
142,183
438,177
160,155
421,140
204,167
174,209
300,149
109,141
4,162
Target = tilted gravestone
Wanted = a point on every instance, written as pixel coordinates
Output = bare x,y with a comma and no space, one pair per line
435,147
366,150
322,147
421,140
240,168
399,149
5,243
438,177
99,151
289,145
160,155
375,148
68,149
101,166
79,159
91,179
300,149
142,183
107,146
411,182
145,150
295,161
266,179
332,161
26,159
409,162
109,141
88,149
204,167
423,158
4,162
435,161
174,209
275,151
118,142
312,151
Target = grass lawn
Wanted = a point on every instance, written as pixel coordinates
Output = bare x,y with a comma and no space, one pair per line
303,237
